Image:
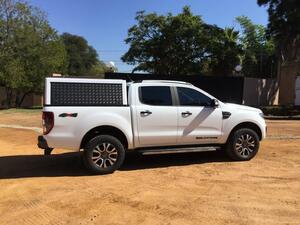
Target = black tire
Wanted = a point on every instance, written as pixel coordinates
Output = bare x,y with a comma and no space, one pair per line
103,154
242,145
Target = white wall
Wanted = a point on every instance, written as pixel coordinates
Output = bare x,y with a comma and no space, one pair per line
260,92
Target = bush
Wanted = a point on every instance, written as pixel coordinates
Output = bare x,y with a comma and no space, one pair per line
281,110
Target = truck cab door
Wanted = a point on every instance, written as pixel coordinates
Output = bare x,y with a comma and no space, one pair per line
198,121
156,116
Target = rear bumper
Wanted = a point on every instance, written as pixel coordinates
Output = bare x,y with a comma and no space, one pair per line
42,143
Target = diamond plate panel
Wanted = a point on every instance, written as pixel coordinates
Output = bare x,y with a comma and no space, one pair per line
81,94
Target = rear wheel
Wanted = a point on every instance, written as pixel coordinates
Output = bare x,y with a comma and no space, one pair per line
103,154
242,145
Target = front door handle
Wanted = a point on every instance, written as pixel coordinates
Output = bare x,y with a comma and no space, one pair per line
145,113
187,113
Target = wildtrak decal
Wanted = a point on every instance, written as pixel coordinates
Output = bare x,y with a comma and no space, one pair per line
206,137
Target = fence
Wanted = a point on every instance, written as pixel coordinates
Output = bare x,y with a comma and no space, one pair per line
234,89
29,101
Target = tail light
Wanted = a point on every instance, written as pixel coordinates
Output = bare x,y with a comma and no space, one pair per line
48,122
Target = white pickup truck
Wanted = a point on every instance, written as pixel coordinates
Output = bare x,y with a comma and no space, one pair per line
106,118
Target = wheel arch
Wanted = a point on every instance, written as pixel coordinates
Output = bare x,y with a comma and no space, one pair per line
249,125
107,130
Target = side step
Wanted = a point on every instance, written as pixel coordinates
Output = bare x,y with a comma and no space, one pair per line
177,150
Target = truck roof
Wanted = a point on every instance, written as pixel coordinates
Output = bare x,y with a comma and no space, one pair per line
162,81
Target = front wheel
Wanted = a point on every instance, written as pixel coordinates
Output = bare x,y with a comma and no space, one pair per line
242,145
103,154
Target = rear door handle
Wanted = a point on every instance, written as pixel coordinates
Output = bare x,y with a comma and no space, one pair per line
187,113
146,113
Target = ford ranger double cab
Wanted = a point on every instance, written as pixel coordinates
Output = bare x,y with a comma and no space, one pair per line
107,118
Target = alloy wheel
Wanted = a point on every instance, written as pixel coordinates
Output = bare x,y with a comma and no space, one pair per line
245,145
105,155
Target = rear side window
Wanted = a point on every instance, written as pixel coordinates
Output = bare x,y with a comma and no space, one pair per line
156,95
191,97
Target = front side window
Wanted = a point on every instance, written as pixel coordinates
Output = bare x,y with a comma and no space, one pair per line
191,97
156,95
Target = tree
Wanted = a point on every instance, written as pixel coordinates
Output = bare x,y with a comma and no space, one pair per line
181,44
258,52
82,58
166,44
99,69
224,50
284,28
29,50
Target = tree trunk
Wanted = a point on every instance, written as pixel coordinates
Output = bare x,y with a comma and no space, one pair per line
17,99
8,97
20,100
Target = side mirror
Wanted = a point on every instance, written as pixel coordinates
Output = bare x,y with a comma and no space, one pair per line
214,103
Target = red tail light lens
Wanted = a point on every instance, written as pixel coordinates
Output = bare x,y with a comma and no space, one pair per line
48,122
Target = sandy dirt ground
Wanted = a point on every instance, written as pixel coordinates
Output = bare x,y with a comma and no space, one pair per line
195,188
283,128
24,117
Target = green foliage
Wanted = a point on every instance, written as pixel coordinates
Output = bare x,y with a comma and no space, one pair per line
224,50
99,69
184,44
258,58
166,44
29,49
181,44
284,27
82,58
288,110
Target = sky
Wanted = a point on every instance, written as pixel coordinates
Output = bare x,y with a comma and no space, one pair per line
104,23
